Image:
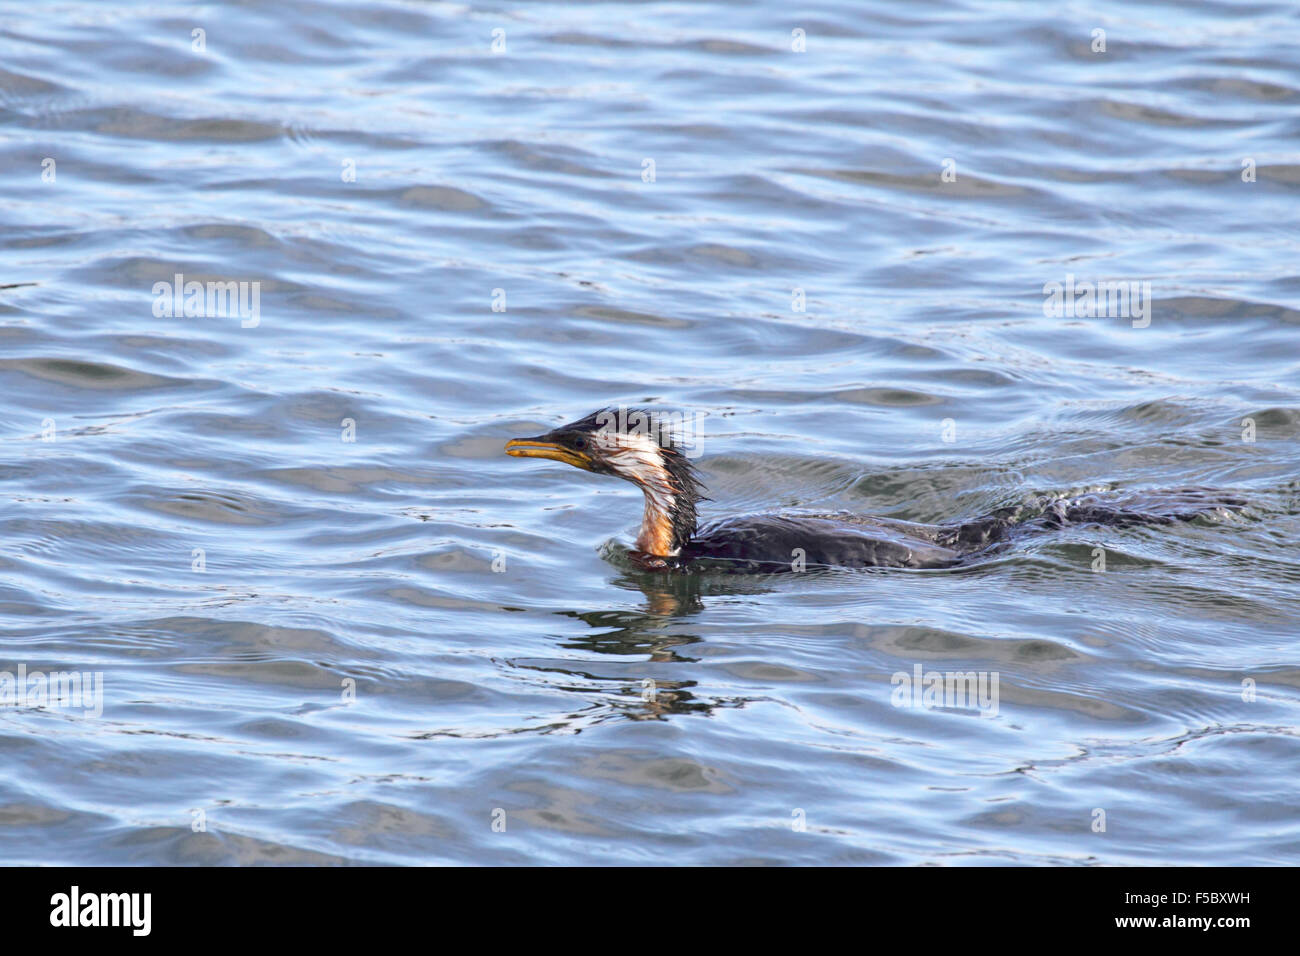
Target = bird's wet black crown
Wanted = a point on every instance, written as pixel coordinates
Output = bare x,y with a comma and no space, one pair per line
622,421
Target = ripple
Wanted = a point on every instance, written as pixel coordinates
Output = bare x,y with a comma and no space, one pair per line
77,373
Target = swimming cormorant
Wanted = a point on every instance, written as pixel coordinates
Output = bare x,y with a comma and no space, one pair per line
635,445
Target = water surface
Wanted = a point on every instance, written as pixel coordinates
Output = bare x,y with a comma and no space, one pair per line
659,204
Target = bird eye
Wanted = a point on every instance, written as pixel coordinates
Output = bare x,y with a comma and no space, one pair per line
580,442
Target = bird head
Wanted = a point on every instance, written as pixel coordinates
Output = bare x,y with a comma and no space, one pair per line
637,446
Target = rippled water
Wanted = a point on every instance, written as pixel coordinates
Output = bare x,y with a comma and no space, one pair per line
454,246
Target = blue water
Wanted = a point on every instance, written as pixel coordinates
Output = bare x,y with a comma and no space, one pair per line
407,647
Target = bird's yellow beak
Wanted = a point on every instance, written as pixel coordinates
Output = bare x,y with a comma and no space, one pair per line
541,448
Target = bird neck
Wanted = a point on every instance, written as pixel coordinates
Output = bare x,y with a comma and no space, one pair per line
658,524
671,491
669,485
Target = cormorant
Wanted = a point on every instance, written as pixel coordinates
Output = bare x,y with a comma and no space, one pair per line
635,445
